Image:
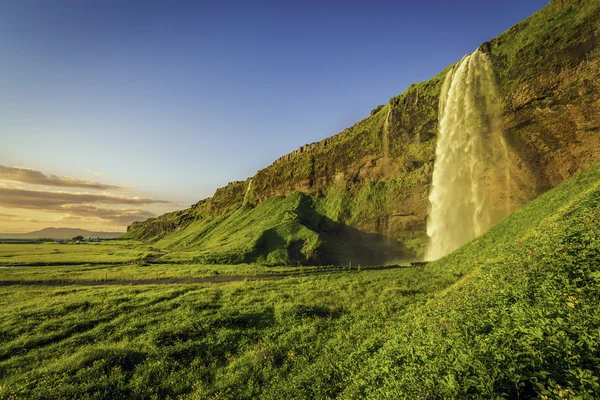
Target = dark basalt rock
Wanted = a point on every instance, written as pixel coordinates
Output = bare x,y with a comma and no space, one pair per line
485,47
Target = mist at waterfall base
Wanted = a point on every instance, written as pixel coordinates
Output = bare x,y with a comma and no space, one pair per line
471,179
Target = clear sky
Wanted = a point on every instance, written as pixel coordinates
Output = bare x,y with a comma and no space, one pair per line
167,100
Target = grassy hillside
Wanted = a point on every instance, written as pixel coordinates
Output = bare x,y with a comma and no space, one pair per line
522,322
279,231
513,314
374,177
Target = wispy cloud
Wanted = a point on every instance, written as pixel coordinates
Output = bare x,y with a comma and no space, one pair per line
31,199
73,201
33,177
14,217
2,215
116,216
78,205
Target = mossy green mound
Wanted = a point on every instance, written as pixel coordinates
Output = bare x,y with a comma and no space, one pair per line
292,230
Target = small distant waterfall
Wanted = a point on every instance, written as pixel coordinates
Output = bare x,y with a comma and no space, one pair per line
247,191
470,191
386,136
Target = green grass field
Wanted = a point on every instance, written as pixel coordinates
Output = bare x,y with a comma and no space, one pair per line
513,314
110,252
124,261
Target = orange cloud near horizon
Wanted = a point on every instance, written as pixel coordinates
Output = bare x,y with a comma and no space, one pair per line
33,177
29,206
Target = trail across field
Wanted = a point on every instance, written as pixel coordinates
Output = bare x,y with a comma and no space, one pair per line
185,281
208,279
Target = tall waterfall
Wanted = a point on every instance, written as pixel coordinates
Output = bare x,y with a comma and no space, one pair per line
470,178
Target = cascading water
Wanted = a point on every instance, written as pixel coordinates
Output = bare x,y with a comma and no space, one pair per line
386,137
247,191
470,176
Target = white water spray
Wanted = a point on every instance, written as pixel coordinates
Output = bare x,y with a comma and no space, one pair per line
470,176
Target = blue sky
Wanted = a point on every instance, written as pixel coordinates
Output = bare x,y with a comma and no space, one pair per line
172,99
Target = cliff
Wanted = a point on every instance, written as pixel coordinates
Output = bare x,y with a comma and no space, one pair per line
367,187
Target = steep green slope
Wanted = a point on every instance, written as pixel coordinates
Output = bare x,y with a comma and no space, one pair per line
375,176
524,320
279,231
513,314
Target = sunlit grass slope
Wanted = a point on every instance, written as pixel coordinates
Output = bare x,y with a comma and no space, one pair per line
523,322
279,231
513,314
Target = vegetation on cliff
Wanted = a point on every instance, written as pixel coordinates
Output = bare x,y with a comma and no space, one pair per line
513,314
375,177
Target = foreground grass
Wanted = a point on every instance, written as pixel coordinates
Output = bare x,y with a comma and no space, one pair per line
523,323
513,314
74,274
137,342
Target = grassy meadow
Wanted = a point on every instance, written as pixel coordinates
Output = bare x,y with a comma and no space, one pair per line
513,314
126,261
50,253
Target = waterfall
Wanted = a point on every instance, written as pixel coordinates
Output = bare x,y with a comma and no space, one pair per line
247,191
470,188
386,136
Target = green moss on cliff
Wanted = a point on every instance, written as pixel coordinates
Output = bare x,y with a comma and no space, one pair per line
558,36
374,206
374,177
279,231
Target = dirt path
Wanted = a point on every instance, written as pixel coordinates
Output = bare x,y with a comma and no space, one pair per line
188,281
168,281
153,257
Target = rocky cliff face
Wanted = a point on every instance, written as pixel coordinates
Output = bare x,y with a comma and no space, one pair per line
375,176
551,89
